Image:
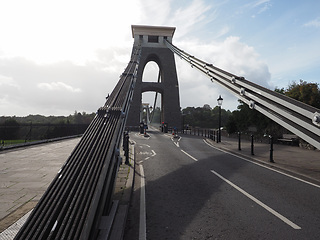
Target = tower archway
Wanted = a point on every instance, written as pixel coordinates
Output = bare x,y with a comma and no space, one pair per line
153,49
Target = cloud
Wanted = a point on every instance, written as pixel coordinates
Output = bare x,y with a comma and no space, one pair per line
76,60
58,86
313,23
258,7
53,89
7,81
188,17
231,55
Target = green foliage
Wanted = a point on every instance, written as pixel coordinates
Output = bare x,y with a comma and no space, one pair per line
245,118
204,117
76,118
10,129
35,127
308,93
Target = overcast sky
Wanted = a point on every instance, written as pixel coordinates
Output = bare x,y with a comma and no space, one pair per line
58,56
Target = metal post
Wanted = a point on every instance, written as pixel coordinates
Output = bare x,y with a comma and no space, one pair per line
252,153
183,122
239,141
271,149
219,124
126,147
217,137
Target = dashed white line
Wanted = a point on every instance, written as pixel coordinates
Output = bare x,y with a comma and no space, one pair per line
278,215
261,165
193,158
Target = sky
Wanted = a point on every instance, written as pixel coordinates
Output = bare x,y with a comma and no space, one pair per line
62,56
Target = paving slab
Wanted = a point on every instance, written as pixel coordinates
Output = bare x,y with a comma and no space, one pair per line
26,173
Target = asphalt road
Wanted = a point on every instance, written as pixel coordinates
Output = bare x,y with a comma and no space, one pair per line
187,189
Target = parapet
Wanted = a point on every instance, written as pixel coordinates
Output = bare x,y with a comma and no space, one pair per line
152,36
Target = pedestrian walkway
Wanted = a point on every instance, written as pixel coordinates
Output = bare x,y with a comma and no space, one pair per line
298,161
25,174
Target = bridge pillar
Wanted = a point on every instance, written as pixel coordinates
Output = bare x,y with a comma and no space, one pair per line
153,48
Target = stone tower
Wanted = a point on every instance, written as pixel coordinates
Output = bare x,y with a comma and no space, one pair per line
153,48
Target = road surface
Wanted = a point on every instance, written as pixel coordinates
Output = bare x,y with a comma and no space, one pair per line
187,189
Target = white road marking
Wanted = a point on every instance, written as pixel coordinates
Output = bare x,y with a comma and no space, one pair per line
153,153
261,165
144,153
196,160
176,143
278,215
142,222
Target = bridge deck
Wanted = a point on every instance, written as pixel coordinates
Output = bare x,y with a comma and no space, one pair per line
25,176
29,175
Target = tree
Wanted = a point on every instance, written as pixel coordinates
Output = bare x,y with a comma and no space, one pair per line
204,117
308,93
244,117
10,129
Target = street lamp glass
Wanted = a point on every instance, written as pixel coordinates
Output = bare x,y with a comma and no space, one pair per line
220,99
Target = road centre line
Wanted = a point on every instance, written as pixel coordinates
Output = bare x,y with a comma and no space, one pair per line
278,215
262,165
142,220
193,158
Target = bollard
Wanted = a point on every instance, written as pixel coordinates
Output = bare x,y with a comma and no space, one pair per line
141,127
126,146
239,141
217,137
271,149
252,153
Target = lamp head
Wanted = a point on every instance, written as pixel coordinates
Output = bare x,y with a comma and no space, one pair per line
220,99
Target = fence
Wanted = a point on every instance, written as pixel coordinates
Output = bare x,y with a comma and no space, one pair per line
32,132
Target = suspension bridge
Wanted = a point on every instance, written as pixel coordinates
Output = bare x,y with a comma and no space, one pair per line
79,197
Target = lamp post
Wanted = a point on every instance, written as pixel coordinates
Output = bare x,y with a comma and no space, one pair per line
219,100
182,115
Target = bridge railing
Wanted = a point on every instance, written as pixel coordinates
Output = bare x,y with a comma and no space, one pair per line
299,118
80,196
